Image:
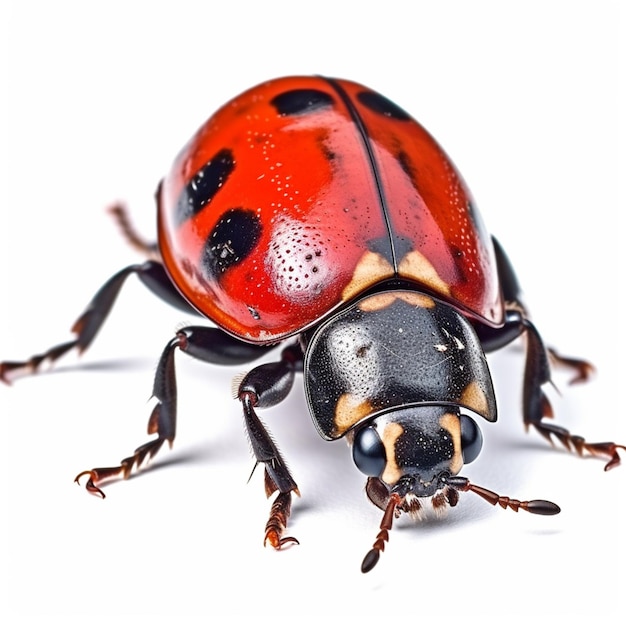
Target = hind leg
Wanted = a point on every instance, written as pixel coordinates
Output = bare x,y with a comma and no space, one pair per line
86,327
516,313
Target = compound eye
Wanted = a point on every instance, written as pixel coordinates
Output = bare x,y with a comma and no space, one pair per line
471,439
368,452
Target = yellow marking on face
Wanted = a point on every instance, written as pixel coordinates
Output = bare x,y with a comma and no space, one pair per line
474,398
417,267
393,473
349,411
452,424
371,269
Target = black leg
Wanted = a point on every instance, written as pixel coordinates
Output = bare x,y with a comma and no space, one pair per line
86,327
517,313
536,405
162,422
263,387
206,344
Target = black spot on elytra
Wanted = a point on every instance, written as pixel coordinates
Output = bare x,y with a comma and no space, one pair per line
406,165
379,104
231,241
301,101
205,183
329,155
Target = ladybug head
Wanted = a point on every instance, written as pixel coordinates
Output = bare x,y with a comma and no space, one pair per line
412,451
415,452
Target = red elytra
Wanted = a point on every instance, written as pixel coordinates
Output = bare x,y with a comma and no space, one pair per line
302,193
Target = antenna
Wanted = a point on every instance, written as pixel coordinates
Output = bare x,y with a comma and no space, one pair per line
454,483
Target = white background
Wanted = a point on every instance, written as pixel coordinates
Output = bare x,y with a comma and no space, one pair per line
525,97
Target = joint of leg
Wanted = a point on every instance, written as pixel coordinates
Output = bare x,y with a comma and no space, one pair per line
182,340
248,398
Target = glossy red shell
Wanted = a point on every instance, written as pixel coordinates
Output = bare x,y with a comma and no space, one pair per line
344,193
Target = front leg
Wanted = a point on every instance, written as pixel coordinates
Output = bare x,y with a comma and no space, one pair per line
263,387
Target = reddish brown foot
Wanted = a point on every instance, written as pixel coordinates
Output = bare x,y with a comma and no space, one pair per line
277,522
125,468
11,370
97,475
576,443
584,370
134,239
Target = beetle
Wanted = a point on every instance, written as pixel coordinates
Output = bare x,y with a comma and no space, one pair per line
315,213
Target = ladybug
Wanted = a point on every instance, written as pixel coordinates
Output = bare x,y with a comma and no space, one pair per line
317,213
